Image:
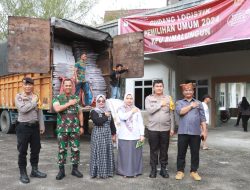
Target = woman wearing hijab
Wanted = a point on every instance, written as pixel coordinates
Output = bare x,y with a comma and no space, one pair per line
245,112
131,132
102,156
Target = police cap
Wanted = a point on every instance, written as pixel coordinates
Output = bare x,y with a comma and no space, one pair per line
28,80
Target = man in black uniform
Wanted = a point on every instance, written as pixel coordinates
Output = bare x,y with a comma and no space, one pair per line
30,119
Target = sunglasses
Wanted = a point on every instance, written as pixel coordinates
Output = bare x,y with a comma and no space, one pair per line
100,101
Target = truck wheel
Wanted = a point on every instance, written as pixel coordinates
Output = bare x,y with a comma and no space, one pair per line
5,122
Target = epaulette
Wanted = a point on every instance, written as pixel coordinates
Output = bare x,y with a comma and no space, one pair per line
19,97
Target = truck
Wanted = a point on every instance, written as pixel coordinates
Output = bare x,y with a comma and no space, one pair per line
46,50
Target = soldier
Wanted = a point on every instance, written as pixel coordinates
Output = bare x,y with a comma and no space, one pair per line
69,128
30,118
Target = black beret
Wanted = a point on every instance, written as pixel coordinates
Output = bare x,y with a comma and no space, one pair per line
28,80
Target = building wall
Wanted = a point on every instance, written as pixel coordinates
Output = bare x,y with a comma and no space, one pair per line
156,70
222,64
158,66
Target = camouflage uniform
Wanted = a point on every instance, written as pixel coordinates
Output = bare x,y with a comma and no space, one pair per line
68,129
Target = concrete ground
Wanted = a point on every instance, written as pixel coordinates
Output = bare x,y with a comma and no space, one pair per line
226,166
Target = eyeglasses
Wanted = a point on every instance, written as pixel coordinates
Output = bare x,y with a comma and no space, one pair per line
100,101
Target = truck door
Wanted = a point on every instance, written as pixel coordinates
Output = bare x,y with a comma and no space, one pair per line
28,45
128,51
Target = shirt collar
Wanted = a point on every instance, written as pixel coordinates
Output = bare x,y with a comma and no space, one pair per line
192,100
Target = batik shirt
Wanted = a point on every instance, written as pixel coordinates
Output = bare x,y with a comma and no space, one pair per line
81,68
67,120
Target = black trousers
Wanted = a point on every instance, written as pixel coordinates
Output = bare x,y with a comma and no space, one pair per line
28,135
238,118
245,119
158,143
193,141
86,122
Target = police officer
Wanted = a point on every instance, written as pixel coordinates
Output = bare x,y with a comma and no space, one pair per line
160,108
69,128
29,127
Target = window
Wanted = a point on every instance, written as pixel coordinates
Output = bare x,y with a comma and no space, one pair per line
222,98
143,88
201,88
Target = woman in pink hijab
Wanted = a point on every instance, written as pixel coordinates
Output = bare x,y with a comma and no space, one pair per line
130,134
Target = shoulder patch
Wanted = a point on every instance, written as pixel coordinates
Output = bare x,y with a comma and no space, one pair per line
19,97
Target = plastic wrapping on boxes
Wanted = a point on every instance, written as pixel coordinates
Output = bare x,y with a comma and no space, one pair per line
64,62
93,73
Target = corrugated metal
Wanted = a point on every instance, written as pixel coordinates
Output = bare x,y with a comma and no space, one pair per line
112,26
3,58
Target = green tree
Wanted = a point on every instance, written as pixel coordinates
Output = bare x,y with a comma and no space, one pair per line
74,10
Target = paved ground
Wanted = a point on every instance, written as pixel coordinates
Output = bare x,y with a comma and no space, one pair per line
225,167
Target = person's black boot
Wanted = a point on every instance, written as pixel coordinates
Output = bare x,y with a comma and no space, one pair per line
75,171
61,173
23,176
36,173
153,172
164,172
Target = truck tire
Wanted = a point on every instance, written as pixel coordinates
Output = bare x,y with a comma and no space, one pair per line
5,123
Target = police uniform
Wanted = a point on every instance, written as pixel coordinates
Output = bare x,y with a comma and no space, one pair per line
161,122
68,133
30,118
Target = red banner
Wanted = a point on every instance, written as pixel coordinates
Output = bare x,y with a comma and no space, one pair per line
215,22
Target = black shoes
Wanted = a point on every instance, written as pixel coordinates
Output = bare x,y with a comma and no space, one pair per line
76,172
61,173
36,173
153,172
23,176
164,173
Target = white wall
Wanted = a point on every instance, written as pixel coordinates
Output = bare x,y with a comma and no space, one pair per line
154,69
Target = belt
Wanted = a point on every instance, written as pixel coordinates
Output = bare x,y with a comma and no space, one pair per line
30,124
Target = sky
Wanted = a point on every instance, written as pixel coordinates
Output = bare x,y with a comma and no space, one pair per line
96,14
